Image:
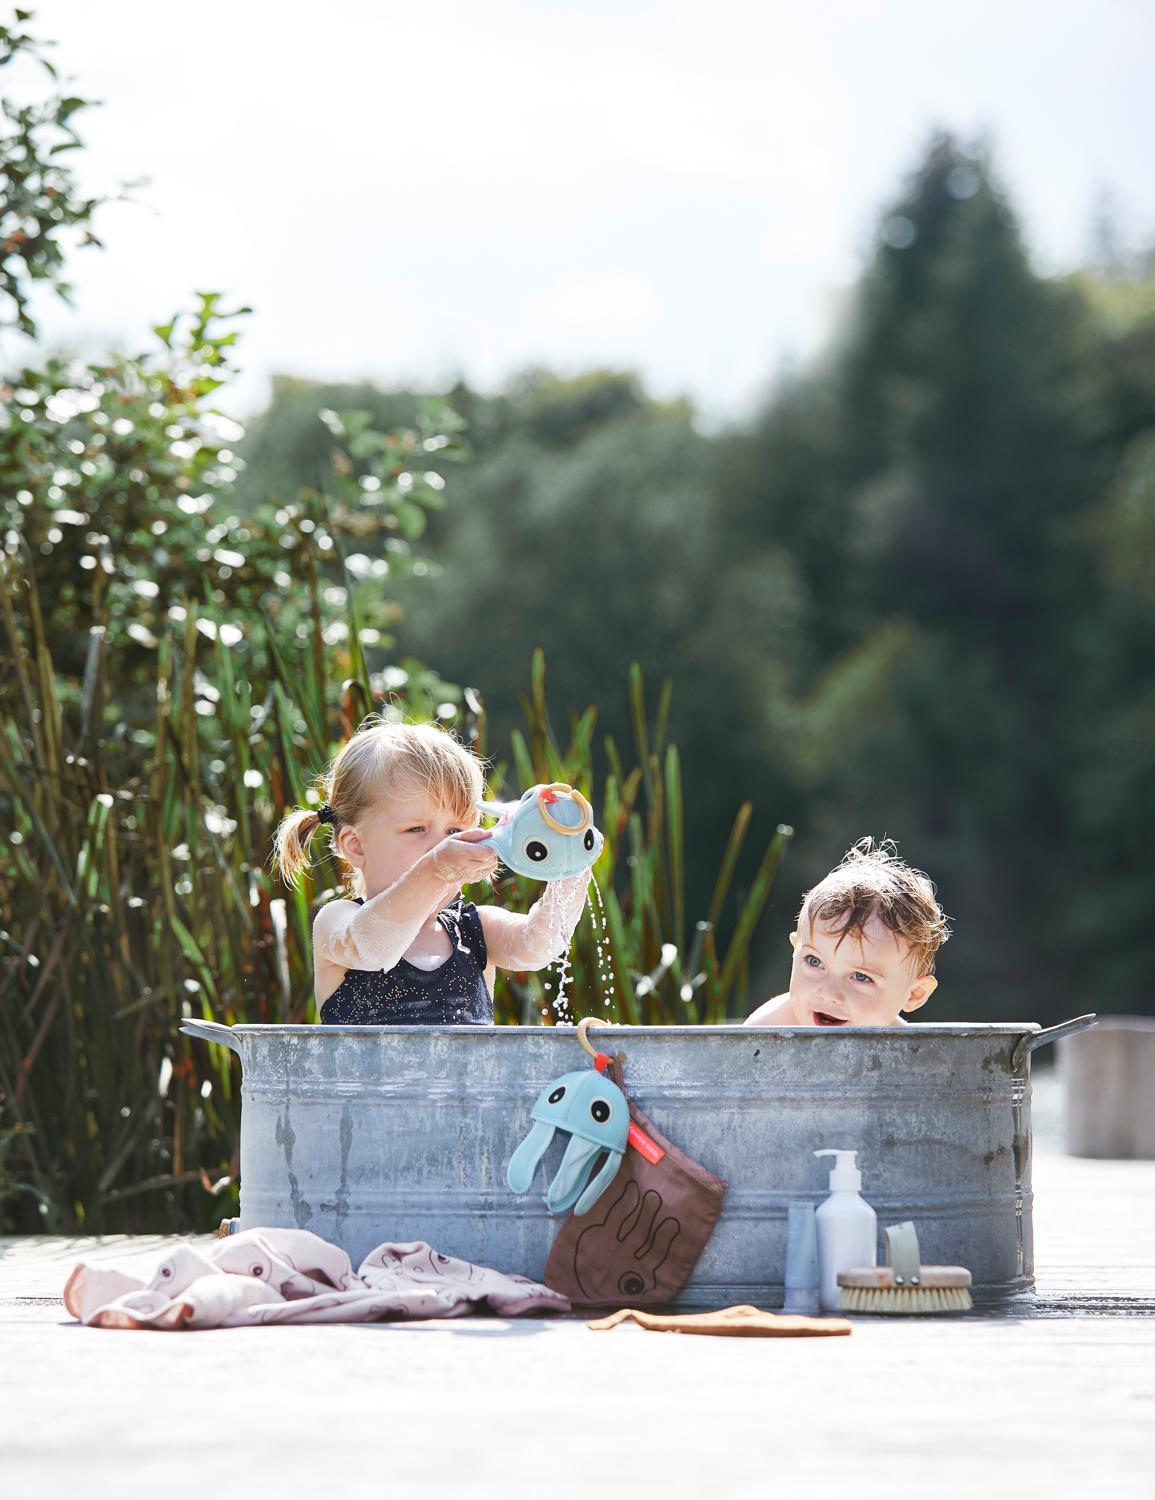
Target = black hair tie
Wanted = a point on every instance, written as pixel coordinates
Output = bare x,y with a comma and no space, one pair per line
326,814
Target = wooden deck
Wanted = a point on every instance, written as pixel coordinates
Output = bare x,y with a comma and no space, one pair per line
1056,1400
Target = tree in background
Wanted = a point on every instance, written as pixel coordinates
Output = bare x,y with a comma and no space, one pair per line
1110,785
180,660
914,597
173,675
937,484
583,525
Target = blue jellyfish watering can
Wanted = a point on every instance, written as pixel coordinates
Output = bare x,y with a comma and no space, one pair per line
548,834
595,1113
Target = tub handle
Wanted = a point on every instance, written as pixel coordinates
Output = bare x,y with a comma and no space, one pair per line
213,1031
1027,1044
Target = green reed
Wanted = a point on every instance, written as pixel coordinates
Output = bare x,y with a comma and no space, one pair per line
137,893
663,974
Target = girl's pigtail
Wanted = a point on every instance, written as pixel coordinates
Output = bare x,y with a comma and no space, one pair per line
291,843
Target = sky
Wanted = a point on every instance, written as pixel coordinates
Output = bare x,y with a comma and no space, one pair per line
412,193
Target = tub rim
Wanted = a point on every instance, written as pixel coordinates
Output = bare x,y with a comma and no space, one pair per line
1028,1035
945,1028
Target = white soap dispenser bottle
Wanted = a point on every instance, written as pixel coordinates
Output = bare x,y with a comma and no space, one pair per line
847,1227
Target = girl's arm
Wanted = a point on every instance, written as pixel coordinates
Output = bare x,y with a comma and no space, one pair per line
531,941
377,934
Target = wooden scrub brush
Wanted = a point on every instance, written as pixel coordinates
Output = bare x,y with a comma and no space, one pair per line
904,1285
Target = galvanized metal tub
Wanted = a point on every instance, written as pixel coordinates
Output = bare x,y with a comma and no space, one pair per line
364,1134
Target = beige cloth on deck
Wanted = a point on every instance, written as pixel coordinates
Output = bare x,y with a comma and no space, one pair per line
743,1321
270,1275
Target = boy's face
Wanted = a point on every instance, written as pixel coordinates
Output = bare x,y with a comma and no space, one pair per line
862,981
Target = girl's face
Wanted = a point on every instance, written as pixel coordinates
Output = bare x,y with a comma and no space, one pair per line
393,835
860,981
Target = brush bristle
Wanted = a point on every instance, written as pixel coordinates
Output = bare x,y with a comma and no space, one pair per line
905,1299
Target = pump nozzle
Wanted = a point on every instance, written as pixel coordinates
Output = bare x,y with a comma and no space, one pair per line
844,1174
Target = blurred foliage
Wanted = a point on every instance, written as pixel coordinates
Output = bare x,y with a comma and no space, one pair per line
634,954
182,660
40,195
119,476
913,597
135,887
143,770
962,479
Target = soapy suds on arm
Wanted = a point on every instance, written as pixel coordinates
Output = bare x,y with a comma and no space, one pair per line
557,904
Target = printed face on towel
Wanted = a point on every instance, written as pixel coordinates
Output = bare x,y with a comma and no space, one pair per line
425,1263
853,980
416,1263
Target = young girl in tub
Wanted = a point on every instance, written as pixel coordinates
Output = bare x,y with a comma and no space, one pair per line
403,950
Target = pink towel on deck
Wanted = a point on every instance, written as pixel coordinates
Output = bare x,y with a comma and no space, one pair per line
294,1276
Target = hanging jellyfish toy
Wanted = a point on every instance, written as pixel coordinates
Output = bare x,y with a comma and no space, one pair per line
594,1112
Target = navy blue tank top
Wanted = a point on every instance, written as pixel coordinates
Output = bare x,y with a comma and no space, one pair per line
453,994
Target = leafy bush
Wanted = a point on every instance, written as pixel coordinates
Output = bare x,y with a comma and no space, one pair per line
138,893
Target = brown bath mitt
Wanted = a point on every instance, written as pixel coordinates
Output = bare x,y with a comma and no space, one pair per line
742,1322
641,1240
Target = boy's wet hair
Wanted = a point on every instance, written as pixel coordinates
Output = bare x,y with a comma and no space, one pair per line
383,759
873,882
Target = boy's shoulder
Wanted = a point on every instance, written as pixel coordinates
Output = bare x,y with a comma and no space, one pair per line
774,1012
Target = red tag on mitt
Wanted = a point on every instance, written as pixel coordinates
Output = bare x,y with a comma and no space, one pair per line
641,1142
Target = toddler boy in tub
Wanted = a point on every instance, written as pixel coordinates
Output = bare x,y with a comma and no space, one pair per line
864,945
402,948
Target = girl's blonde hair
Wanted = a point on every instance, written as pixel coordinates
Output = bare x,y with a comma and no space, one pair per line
380,760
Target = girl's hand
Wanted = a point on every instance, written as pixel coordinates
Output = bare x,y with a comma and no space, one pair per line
463,857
